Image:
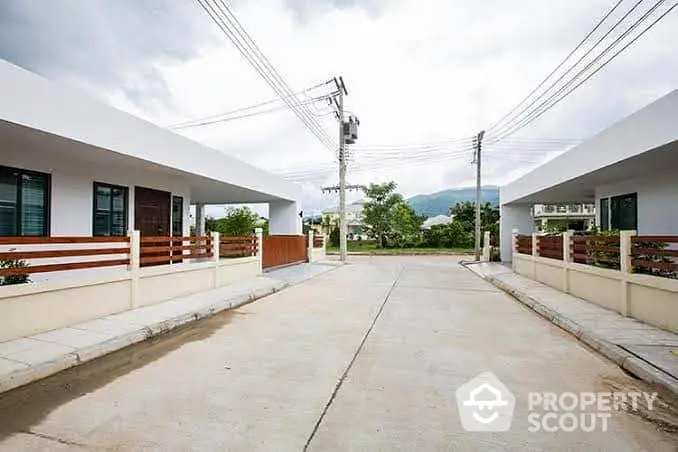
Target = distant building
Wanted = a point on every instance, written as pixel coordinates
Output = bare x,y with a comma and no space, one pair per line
434,221
555,218
354,219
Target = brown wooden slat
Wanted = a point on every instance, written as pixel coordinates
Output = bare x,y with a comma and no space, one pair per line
46,240
638,251
61,267
654,265
167,249
62,253
150,239
156,259
655,238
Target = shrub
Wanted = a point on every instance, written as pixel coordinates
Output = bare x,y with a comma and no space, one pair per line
15,279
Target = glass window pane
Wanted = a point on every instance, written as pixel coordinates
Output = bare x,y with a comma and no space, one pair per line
8,203
33,208
604,214
118,211
177,216
624,212
102,211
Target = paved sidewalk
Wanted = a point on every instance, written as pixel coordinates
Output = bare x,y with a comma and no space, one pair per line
645,351
32,358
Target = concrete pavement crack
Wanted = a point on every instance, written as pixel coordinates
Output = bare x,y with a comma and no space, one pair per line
353,360
55,439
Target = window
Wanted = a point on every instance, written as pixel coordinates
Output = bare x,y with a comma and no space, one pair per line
110,210
604,214
24,202
177,216
624,212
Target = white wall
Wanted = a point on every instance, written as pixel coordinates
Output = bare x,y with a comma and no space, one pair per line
284,218
72,186
513,216
657,201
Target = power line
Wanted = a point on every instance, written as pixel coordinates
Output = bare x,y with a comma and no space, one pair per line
242,116
265,70
577,47
550,102
530,113
240,110
240,30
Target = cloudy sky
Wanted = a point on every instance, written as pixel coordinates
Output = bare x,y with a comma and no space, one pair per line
417,71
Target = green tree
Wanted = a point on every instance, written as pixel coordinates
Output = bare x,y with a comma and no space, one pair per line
238,221
379,209
405,226
465,214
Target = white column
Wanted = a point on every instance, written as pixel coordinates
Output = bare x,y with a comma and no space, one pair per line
284,218
199,219
486,246
513,216
626,268
567,258
259,233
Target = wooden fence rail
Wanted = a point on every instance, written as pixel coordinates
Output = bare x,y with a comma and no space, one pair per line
16,258
550,246
598,250
655,255
318,241
158,250
524,244
237,246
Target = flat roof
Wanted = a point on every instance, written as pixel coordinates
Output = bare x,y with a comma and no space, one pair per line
641,141
32,101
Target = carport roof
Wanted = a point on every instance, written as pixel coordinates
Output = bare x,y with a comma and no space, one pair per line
32,102
643,142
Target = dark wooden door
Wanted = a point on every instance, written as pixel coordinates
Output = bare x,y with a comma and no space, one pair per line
152,217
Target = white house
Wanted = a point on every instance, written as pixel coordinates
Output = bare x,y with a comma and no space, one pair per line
96,202
70,165
354,219
630,172
435,221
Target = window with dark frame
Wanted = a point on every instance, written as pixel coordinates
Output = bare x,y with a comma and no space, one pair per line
624,212
24,202
177,216
110,210
604,214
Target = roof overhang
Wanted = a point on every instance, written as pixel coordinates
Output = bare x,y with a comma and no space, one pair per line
645,142
64,120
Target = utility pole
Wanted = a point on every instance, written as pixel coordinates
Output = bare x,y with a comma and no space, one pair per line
479,146
343,228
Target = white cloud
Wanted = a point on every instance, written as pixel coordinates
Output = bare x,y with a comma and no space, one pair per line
416,70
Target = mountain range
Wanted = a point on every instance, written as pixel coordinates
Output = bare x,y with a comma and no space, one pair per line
439,203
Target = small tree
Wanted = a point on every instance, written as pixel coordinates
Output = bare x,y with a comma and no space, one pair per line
238,221
378,211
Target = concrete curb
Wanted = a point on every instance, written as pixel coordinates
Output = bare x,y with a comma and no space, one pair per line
25,374
623,358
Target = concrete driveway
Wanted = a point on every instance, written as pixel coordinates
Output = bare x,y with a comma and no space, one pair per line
365,357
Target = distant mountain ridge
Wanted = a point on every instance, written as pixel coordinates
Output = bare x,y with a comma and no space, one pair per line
439,203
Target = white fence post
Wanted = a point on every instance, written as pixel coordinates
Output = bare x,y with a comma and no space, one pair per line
567,258
486,247
215,256
309,251
260,247
535,253
134,265
626,268
514,246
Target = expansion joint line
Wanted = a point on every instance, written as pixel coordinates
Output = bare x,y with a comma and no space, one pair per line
353,360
